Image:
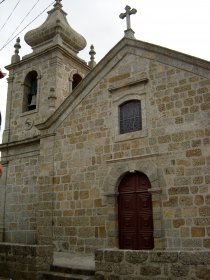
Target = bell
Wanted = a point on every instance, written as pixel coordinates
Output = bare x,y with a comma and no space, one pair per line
32,105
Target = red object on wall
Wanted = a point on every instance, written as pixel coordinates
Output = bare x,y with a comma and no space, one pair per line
2,75
1,169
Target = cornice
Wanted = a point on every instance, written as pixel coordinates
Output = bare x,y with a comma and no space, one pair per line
25,141
130,84
35,55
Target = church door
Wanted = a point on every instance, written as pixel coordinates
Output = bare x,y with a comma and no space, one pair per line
135,213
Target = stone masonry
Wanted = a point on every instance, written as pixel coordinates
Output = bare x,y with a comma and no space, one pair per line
142,265
172,149
24,262
84,156
65,159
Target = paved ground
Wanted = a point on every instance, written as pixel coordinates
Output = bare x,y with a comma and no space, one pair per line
74,260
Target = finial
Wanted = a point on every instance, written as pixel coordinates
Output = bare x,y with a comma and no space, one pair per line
16,57
92,53
129,33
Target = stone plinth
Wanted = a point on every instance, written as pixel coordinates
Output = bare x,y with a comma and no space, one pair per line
126,264
24,262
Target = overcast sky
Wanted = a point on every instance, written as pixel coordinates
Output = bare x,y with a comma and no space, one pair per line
182,25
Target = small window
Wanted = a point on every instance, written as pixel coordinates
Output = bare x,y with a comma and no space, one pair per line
76,80
30,92
130,116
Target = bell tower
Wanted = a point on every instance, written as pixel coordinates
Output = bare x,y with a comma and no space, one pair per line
40,81
37,85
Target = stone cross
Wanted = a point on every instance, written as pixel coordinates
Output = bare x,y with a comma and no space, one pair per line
58,3
127,14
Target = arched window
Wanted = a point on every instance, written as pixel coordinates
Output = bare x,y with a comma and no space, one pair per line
76,80
30,92
130,118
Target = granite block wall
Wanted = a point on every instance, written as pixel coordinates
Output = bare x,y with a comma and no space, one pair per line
142,265
90,157
24,262
82,155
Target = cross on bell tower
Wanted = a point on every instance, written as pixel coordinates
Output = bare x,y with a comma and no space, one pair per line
129,33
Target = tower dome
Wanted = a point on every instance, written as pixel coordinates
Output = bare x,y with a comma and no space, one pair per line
55,31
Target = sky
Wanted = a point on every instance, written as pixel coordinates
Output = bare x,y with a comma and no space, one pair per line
181,25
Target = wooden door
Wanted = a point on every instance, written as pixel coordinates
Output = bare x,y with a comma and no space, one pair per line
135,213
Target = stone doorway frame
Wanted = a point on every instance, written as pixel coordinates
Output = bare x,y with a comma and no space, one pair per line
110,193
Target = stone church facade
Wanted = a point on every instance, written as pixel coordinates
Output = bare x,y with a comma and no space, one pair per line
114,155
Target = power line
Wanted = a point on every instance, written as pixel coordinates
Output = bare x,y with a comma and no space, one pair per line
2,1
10,15
26,27
22,20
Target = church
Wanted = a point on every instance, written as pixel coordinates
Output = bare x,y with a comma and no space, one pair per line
111,159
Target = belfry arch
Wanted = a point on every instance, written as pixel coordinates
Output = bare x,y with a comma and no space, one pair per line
74,79
30,91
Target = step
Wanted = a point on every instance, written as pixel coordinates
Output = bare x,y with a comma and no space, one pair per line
52,275
72,270
74,273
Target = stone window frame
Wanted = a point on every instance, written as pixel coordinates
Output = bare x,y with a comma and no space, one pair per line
134,134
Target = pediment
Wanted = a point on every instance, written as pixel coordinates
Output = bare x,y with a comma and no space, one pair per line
125,47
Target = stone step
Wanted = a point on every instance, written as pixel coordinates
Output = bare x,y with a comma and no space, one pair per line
52,275
63,273
72,270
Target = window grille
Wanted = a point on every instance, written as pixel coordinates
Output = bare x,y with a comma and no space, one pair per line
130,116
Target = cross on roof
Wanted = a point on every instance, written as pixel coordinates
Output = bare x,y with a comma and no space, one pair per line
127,14
58,3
